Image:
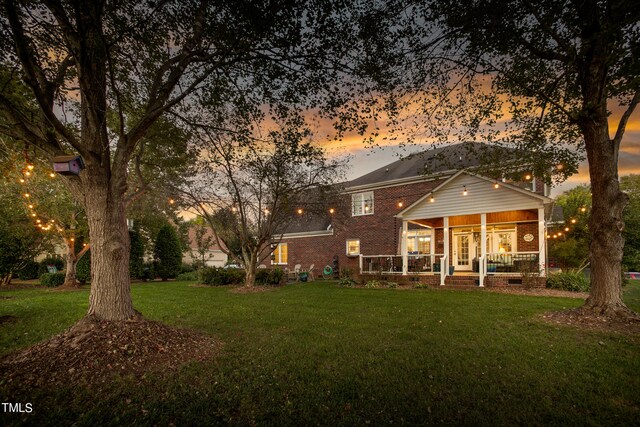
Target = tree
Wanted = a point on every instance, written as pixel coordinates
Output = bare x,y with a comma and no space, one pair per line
20,239
569,242
261,187
136,255
203,239
552,72
631,186
89,63
167,253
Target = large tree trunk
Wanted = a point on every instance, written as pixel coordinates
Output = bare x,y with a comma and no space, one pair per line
71,262
605,223
110,297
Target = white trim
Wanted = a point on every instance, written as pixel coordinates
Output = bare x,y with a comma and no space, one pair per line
397,182
306,234
542,243
405,253
445,268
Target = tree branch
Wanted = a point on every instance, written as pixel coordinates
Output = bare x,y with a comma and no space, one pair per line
622,125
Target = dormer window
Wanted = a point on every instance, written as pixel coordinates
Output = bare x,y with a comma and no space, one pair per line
362,203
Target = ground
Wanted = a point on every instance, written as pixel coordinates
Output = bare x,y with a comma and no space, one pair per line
316,353
92,351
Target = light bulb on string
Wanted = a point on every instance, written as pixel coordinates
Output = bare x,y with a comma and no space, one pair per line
332,210
464,191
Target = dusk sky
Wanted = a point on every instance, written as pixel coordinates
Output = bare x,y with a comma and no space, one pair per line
364,159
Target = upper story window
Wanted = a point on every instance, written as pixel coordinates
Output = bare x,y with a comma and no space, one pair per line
362,203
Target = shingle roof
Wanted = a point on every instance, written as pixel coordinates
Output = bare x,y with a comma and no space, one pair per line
463,155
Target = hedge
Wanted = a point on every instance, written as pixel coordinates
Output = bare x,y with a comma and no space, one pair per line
52,280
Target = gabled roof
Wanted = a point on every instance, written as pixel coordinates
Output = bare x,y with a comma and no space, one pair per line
479,197
464,155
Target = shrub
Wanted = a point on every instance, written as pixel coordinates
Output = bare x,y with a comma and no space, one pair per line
372,284
269,277
29,271
187,268
83,268
52,280
217,276
392,285
347,282
136,254
148,271
568,281
55,261
168,253
188,276
421,286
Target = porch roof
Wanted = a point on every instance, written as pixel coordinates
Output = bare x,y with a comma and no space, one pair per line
482,197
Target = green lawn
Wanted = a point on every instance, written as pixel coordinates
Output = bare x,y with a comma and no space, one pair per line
320,354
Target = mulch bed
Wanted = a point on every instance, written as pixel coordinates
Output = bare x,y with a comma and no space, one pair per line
92,351
251,290
594,322
540,292
7,319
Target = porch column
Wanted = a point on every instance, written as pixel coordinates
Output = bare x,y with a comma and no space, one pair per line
482,260
445,273
542,243
405,254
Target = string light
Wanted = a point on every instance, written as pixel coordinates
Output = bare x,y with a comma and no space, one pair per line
566,229
527,177
299,211
52,175
573,220
27,173
27,195
30,206
400,204
30,166
432,198
496,185
332,210
171,201
22,180
583,209
465,192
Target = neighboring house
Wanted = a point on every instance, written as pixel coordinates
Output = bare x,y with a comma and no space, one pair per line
449,225
203,248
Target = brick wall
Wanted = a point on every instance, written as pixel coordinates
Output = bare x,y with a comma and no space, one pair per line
379,233
527,228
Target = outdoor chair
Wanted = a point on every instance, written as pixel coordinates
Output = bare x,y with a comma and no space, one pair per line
310,274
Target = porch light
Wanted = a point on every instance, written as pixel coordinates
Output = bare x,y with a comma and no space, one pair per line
465,192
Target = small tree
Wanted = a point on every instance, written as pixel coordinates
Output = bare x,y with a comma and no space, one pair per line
631,260
168,253
250,190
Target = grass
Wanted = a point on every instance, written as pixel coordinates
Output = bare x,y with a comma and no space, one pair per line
320,354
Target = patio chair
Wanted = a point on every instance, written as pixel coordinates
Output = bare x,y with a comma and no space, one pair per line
293,274
310,274
262,266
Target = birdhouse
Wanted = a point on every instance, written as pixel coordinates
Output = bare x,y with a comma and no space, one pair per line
68,165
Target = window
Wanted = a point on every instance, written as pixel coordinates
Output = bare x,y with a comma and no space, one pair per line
353,247
419,241
362,203
280,254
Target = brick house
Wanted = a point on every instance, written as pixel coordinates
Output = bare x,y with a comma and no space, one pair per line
403,224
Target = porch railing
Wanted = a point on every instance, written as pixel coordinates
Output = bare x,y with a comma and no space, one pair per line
517,262
491,263
416,263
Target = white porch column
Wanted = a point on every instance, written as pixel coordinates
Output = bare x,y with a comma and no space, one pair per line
405,254
482,261
445,273
542,243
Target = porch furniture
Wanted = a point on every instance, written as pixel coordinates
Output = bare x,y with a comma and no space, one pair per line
310,272
293,274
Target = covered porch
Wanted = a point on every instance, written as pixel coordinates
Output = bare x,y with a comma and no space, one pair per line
485,236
